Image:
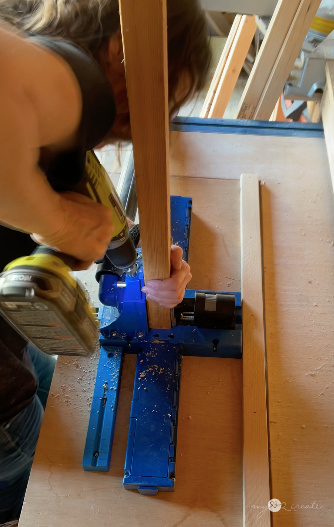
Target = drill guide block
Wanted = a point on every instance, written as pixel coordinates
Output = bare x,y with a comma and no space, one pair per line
151,448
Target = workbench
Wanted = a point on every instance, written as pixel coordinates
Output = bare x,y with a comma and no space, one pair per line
207,159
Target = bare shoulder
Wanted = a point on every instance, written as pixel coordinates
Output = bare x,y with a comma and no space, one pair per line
33,73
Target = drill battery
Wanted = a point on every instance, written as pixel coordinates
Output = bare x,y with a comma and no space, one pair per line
47,306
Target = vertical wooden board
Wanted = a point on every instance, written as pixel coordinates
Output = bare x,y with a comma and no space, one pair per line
144,32
255,447
283,40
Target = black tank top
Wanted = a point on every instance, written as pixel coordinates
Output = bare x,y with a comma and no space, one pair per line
98,112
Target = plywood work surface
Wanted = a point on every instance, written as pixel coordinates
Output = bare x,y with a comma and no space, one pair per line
209,450
298,252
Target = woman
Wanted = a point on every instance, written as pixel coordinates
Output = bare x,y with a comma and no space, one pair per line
63,92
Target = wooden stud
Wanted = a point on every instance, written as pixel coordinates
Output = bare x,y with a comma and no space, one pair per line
327,107
255,447
144,30
281,45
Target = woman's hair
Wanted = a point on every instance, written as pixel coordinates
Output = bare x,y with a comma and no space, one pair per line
89,24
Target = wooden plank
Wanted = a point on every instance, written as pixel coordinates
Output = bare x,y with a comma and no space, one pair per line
220,68
238,49
283,40
327,112
144,30
255,445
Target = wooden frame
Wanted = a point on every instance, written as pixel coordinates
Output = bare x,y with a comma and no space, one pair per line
144,32
281,45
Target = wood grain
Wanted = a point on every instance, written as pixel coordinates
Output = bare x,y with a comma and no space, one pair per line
145,50
255,445
282,42
228,155
220,68
229,67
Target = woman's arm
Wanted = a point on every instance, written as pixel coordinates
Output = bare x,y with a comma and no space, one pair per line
40,104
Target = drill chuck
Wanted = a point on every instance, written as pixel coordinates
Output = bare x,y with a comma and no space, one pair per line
121,251
97,185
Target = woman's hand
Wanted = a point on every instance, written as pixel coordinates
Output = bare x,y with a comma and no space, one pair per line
85,229
170,292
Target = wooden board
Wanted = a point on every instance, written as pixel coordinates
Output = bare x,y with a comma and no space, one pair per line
255,422
229,66
144,34
282,43
207,105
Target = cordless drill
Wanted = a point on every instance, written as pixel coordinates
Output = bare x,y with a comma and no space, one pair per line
39,296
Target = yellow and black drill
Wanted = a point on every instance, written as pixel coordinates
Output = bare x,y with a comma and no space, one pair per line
40,297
